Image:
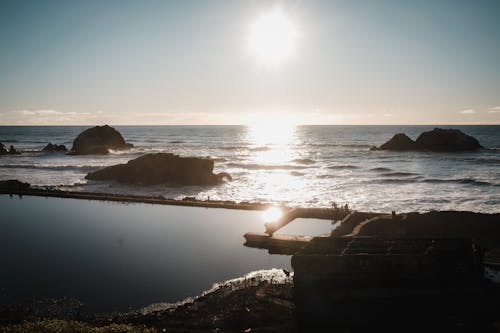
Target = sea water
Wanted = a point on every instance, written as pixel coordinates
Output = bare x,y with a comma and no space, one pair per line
310,166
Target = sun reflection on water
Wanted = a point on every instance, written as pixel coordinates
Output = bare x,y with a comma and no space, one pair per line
272,214
271,141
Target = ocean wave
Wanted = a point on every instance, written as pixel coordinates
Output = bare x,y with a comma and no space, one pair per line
260,148
303,161
381,169
396,180
251,166
398,174
296,173
470,181
51,167
484,160
345,166
176,141
231,147
325,176
347,145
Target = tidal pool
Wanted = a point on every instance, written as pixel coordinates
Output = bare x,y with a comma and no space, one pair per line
117,256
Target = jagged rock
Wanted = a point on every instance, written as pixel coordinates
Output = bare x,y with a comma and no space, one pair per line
13,184
10,151
162,168
399,141
54,148
440,139
98,140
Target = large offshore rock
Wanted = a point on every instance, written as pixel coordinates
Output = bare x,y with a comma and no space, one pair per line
10,151
440,139
3,151
98,140
399,141
162,168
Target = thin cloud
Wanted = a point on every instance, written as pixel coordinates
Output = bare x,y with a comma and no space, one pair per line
494,109
468,111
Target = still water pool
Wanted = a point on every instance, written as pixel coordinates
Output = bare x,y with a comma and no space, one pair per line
116,256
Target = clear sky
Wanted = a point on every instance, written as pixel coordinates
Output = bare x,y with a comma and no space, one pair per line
189,62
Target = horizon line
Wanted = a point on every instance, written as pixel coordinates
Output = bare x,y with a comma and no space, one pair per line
248,125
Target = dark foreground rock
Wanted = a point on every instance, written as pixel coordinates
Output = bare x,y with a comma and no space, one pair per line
14,185
54,148
162,168
98,140
483,228
10,151
261,301
438,139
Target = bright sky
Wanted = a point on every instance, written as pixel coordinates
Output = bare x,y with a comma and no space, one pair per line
232,62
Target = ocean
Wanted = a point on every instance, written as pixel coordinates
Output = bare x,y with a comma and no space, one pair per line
309,166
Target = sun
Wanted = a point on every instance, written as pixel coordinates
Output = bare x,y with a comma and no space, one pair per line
272,37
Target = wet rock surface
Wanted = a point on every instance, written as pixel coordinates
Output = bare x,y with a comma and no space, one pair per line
399,141
447,140
54,148
10,151
98,140
162,168
438,139
14,185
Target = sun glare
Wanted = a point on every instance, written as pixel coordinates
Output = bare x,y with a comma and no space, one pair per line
272,214
272,37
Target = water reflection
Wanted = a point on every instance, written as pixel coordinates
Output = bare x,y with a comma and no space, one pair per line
112,256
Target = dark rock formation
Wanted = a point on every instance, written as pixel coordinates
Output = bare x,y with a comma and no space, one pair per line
10,151
98,140
438,139
162,168
13,184
54,148
399,141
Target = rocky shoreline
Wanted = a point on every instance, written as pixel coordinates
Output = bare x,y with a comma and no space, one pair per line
260,301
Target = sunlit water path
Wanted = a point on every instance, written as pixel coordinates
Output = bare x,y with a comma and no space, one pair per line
277,162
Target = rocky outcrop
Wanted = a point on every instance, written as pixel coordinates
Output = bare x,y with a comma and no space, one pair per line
162,168
10,151
399,141
438,139
98,140
14,185
54,148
